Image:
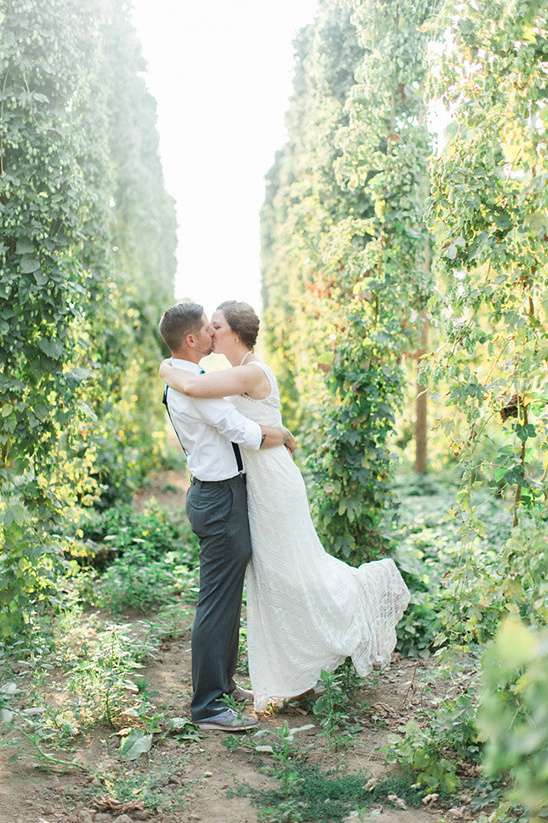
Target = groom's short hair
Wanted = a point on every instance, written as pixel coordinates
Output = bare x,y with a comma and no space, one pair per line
178,321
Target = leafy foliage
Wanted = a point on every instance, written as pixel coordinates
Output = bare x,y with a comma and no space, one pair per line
332,707
487,210
342,223
80,289
346,285
135,581
146,559
422,752
156,531
513,716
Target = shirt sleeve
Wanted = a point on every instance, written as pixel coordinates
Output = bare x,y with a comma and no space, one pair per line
229,422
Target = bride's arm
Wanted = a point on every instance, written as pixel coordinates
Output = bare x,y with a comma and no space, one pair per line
238,380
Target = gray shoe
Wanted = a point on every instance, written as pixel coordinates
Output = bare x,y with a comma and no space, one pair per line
227,721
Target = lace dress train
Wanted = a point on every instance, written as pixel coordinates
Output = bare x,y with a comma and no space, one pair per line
306,610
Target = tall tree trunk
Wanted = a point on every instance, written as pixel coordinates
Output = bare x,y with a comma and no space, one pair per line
421,432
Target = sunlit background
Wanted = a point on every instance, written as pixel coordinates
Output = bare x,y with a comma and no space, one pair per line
221,73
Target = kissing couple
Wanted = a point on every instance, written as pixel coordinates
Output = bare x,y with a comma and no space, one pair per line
306,610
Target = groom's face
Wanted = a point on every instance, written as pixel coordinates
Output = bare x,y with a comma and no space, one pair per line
204,341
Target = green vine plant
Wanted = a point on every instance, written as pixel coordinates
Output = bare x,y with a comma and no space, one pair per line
81,289
486,211
345,255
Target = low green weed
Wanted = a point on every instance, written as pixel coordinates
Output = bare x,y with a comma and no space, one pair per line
171,621
487,793
348,679
284,753
280,743
29,725
433,748
135,582
101,680
183,730
150,786
422,755
101,687
332,707
112,532
144,710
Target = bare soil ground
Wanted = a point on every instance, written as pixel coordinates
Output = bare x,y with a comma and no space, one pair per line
193,778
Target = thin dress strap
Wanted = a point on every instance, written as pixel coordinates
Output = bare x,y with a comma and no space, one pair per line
273,396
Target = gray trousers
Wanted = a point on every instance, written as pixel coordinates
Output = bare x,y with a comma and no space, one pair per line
217,512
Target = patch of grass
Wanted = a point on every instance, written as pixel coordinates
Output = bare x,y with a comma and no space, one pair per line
40,712
329,796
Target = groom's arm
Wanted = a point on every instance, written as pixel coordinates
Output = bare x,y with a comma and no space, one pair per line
236,427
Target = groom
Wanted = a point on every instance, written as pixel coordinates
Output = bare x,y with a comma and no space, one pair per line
209,432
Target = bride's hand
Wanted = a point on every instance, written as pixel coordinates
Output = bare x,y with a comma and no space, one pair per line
179,380
165,365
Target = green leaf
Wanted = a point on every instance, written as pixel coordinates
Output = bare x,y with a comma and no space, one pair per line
40,278
52,348
10,688
524,432
29,264
78,374
14,513
134,745
25,246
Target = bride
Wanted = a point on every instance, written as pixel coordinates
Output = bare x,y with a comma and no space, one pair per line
306,610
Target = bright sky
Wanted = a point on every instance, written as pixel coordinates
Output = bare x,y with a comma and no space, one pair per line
221,72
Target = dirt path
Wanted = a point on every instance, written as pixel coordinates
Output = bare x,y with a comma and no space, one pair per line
189,781
194,777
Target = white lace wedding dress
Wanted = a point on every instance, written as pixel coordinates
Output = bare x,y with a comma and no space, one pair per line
306,610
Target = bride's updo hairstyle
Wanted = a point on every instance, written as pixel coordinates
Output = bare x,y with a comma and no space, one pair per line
242,320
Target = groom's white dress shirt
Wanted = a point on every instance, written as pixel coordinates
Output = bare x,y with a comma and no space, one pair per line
207,428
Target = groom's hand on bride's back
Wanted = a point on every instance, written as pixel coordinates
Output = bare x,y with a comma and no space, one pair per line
289,441
271,436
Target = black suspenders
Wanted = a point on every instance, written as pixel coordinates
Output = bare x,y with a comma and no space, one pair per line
237,452
164,401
